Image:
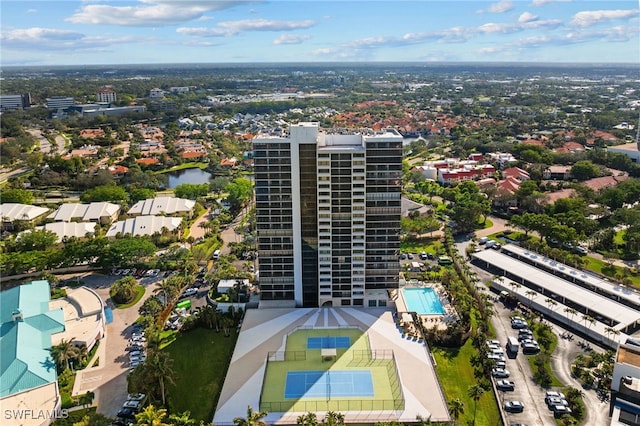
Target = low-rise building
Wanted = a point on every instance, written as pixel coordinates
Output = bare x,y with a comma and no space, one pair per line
28,379
98,212
69,229
625,385
59,102
10,213
162,205
557,173
144,225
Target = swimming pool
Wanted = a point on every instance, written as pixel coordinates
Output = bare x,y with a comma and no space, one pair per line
423,301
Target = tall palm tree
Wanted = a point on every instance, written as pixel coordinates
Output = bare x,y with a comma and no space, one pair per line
151,416
160,365
456,408
63,352
475,392
254,418
168,290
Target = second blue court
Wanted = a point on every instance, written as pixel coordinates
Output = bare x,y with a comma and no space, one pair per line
328,384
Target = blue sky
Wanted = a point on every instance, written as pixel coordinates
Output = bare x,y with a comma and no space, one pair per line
187,31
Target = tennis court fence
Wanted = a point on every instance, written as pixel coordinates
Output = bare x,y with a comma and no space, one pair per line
287,356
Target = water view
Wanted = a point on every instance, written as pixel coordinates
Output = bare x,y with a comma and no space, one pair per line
194,175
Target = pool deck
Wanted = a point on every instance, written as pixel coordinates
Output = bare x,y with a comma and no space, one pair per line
431,320
265,330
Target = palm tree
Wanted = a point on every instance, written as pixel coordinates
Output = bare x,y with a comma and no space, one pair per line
475,392
254,418
309,419
63,352
151,416
160,366
168,290
570,311
182,419
333,419
456,408
82,353
87,399
530,294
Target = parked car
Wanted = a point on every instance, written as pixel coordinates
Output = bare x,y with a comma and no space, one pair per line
514,407
410,256
500,373
127,413
517,324
423,255
134,348
430,256
483,240
190,292
493,342
496,357
403,256
500,364
580,250
553,394
505,385
136,397
530,349
559,410
132,404
551,402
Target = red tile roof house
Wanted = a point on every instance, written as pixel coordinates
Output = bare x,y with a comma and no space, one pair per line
506,191
517,173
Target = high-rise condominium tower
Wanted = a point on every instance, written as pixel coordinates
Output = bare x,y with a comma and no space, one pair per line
328,216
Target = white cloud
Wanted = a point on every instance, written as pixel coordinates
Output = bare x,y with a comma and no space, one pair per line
148,13
591,17
47,39
291,39
538,3
527,17
492,28
499,7
230,28
32,10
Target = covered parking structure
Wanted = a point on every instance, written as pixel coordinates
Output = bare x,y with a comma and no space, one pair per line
584,279
561,299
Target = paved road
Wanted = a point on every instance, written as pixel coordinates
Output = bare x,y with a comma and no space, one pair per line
196,231
526,391
109,379
597,411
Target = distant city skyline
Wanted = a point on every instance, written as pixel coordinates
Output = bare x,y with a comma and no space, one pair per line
102,32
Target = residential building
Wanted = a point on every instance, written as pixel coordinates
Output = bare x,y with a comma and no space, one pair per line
106,94
59,102
97,212
181,89
156,93
557,173
516,172
328,215
28,379
144,225
162,205
69,229
10,213
625,385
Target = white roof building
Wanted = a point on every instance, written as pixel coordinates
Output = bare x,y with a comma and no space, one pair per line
225,285
10,212
69,229
102,212
144,225
160,205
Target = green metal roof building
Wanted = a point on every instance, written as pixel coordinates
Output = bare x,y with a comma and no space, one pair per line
26,326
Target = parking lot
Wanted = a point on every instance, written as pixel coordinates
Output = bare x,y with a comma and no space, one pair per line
525,390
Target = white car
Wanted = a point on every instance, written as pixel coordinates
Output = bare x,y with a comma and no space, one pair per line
190,292
500,373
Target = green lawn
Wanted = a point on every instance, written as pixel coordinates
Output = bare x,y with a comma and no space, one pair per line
200,362
429,245
456,375
600,267
139,293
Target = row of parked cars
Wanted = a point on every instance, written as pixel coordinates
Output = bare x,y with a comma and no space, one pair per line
525,336
557,403
132,406
138,273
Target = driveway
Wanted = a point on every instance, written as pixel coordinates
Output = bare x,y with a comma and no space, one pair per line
109,379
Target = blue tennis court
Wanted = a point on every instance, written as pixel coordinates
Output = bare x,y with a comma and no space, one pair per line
328,384
328,342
